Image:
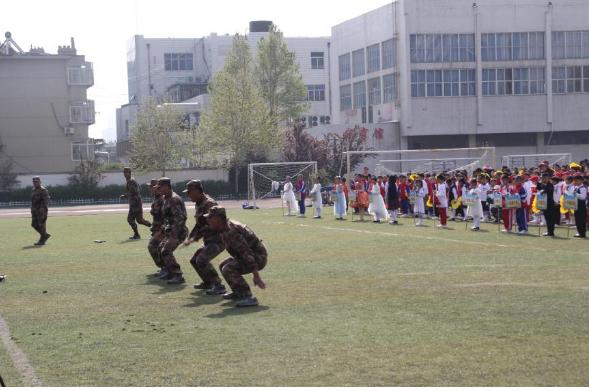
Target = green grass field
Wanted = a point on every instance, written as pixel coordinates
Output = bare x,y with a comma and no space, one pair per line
347,304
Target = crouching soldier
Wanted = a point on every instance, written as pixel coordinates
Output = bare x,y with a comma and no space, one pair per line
175,231
213,246
248,255
157,226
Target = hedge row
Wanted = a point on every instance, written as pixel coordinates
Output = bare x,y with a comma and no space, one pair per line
68,192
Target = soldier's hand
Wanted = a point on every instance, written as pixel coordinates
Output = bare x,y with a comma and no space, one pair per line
258,282
188,242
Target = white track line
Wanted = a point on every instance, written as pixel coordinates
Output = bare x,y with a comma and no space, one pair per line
18,357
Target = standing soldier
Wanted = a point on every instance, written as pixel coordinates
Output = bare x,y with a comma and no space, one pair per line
213,246
157,226
248,255
39,204
135,204
175,231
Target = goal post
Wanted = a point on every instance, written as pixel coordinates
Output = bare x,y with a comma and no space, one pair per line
265,180
422,160
532,160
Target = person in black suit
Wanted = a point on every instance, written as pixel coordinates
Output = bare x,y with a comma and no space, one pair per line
547,187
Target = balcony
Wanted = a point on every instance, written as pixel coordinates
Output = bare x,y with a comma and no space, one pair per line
80,75
82,112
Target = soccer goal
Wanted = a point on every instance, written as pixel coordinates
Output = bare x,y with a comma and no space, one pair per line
265,180
420,160
528,161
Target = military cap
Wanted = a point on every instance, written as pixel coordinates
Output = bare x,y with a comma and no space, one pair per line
36,178
164,181
152,182
127,169
192,184
216,211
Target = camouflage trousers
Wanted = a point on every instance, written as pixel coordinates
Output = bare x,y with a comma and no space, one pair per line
136,215
167,247
153,248
39,220
201,261
233,271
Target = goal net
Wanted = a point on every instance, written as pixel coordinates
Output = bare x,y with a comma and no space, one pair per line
265,180
527,161
420,160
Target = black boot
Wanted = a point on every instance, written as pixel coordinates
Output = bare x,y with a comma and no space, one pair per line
176,280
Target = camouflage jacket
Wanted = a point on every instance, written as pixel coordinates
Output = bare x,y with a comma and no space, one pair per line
157,213
241,243
39,199
133,194
201,228
174,215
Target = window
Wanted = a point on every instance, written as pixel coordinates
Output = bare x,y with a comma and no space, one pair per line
434,83
467,82
559,80
345,97
82,112
78,150
488,47
570,44
442,48
316,92
345,69
537,81
504,46
360,95
505,81
373,58
80,75
388,54
317,60
374,91
489,82
521,81
452,82
574,79
178,61
586,78
520,46
417,84
358,67
389,88
536,46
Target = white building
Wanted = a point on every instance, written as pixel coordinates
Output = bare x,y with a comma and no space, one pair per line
181,68
458,73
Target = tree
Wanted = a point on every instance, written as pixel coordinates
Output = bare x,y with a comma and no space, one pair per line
7,177
237,124
160,140
88,174
352,139
279,79
301,146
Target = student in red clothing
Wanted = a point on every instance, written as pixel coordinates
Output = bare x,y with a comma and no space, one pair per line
403,194
506,214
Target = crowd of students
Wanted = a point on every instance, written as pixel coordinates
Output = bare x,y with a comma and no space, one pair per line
514,197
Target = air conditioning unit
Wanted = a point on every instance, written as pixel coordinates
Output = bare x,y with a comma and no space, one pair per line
69,131
327,120
314,123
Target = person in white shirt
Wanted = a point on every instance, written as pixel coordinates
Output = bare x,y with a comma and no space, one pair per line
315,195
581,212
377,207
442,201
289,198
419,207
476,210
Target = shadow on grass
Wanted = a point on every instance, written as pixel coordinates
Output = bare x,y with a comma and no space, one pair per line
32,246
232,311
201,300
130,241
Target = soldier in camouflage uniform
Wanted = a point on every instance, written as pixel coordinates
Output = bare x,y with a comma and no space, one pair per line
157,226
39,205
248,255
213,246
175,231
135,204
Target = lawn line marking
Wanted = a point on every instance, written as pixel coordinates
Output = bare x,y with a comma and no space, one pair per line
430,237
18,357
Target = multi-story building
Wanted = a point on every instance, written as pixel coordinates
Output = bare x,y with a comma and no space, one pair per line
467,73
44,110
181,68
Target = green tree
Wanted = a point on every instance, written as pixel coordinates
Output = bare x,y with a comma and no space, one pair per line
237,127
160,138
7,176
88,174
279,79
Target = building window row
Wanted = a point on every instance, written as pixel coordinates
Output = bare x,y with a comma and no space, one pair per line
380,90
317,60
512,46
514,81
316,92
570,44
570,79
429,48
374,58
178,61
449,82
